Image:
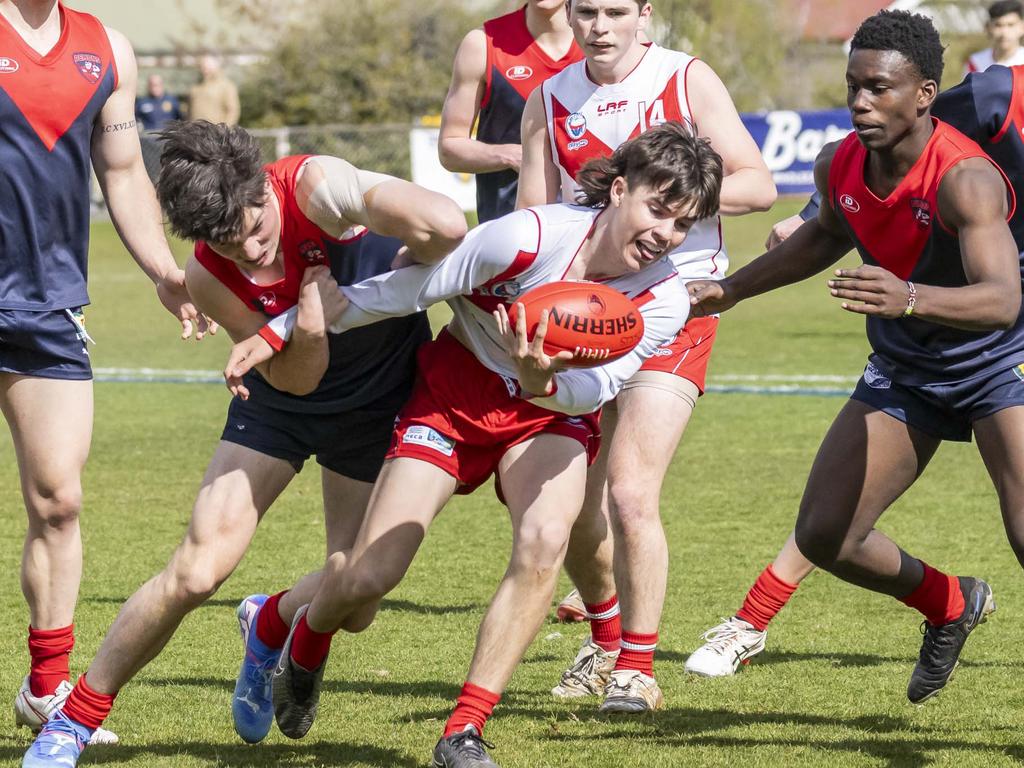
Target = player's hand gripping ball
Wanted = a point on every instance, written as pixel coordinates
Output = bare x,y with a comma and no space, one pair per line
594,322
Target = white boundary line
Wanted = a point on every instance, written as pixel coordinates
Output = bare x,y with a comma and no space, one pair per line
749,383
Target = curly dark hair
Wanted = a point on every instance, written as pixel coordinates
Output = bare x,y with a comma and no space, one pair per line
670,158
910,34
209,175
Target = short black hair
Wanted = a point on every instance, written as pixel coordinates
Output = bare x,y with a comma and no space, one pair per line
910,34
1004,8
209,175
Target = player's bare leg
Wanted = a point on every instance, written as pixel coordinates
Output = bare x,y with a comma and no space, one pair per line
867,460
589,561
544,482
651,423
354,582
266,621
239,486
51,427
1000,439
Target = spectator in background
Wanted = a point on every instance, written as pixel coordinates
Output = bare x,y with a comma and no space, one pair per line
214,97
1005,28
157,108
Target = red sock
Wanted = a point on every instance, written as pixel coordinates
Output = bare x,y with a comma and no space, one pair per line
49,650
473,707
87,706
938,597
271,629
765,599
310,648
638,651
605,623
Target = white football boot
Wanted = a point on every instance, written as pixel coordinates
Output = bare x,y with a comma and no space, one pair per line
32,711
726,646
588,674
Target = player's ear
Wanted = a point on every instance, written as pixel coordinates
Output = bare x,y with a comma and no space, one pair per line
926,94
645,15
617,191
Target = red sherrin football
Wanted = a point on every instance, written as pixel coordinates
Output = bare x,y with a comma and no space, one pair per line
583,314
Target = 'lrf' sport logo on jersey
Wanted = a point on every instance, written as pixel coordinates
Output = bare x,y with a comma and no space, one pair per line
89,66
922,212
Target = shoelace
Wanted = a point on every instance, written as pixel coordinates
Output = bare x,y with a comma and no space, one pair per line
582,670
935,640
626,687
718,638
472,744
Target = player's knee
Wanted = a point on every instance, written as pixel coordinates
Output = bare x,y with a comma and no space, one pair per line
195,575
56,508
816,542
541,547
631,507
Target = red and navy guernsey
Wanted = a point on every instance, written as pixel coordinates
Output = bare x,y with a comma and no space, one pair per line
904,234
515,66
48,107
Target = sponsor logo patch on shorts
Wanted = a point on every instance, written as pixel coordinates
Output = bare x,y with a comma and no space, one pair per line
875,379
430,438
1018,371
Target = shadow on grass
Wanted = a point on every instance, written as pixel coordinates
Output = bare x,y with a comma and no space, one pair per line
398,606
304,753
688,727
862,659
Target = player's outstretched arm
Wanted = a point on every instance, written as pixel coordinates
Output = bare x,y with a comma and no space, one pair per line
117,159
335,195
456,147
538,176
815,246
973,202
747,184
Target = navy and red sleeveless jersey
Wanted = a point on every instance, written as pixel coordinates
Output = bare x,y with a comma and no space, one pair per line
904,234
366,363
515,66
48,107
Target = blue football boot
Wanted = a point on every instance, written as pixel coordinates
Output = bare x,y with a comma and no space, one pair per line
251,708
59,744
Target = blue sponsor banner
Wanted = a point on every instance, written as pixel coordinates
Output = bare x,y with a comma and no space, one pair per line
790,141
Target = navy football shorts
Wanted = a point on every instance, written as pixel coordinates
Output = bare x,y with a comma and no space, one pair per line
946,411
351,443
48,344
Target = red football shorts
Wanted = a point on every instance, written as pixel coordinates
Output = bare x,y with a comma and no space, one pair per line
463,417
687,355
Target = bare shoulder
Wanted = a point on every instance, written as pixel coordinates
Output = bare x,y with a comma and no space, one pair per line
972,189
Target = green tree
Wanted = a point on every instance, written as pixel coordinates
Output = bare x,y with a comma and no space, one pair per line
375,61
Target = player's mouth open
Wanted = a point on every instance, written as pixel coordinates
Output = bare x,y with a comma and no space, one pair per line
648,252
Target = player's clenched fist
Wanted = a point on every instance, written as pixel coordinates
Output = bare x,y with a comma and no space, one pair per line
320,301
709,297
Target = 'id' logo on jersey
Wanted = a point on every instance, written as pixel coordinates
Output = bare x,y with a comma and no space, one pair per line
849,203
89,66
922,211
8,66
519,72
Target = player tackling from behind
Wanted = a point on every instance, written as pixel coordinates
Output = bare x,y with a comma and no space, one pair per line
269,238
489,400
940,289
622,88
988,107
67,100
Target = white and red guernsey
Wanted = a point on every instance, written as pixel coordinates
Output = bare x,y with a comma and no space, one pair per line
500,261
586,120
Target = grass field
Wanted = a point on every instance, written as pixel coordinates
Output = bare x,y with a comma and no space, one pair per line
830,689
